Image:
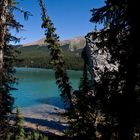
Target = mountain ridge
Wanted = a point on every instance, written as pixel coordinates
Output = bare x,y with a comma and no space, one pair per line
73,43
37,55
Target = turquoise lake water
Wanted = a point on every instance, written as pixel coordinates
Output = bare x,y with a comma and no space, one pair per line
37,86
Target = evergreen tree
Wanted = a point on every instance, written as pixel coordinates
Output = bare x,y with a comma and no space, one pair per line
56,54
18,130
7,60
6,100
114,101
82,116
116,89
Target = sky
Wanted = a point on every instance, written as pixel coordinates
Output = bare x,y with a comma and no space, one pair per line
70,18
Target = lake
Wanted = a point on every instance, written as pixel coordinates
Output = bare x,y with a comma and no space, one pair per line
37,86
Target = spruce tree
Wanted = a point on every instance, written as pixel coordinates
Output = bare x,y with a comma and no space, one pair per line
6,100
7,60
18,130
57,60
114,100
82,116
116,89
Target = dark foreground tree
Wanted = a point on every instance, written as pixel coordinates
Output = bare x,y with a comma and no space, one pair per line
6,101
7,60
116,89
110,110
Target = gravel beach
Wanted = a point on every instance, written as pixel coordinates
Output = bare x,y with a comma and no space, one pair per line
46,118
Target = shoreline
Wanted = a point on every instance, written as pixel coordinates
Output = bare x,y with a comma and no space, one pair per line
77,70
45,118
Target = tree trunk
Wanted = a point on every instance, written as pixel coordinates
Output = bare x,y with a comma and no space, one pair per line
3,7
3,12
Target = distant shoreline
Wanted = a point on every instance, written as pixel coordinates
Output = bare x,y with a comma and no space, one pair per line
44,68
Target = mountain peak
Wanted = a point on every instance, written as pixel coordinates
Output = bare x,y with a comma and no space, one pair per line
36,42
63,42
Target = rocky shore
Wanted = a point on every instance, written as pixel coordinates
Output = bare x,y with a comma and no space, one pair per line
45,118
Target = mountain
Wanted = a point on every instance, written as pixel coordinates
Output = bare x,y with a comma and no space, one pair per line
37,42
74,43
36,54
70,44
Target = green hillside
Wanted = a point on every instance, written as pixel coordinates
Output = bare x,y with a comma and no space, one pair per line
37,56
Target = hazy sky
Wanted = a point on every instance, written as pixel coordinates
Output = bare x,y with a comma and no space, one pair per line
70,17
